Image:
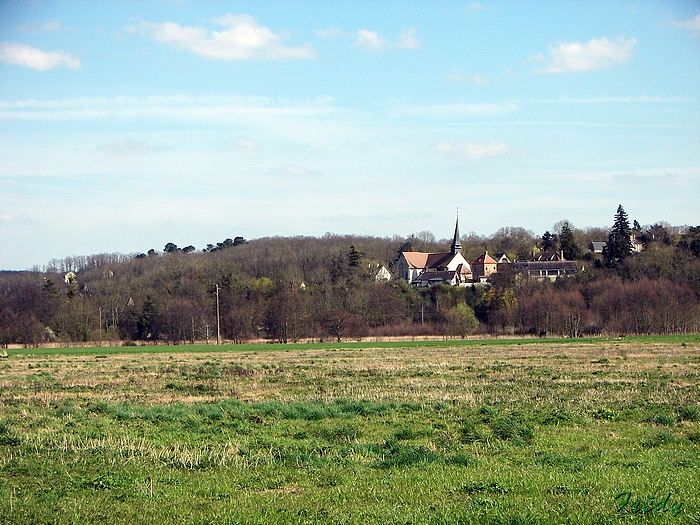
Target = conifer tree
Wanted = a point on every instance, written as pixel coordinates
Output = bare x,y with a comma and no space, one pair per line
354,256
568,243
549,242
619,243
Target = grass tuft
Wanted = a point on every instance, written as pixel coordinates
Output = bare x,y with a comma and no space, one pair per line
399,455
508,429
689,413
659,438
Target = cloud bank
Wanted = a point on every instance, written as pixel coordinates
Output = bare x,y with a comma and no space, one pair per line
242,39
601,53
20,54
692,25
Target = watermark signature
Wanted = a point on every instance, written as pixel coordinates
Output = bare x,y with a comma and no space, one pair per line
648,504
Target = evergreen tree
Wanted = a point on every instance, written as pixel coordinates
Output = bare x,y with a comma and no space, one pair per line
619,243
354,256
549,242
568,243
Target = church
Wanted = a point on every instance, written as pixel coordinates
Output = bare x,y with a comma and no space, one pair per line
426,269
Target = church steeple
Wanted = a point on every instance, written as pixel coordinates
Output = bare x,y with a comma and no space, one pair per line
456,246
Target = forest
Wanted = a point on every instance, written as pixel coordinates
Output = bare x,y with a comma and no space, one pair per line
289,289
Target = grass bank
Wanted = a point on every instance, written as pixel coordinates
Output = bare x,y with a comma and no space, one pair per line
349,345
492,432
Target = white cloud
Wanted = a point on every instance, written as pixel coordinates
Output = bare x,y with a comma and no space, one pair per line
243,39
170,108
678,178
129,147
408,40
693,25
473,150
20,54
372,41
596,54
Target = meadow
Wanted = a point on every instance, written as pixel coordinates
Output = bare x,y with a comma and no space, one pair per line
484,432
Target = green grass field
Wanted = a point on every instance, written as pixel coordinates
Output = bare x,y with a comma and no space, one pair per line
492,432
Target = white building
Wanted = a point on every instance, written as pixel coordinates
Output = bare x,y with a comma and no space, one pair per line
425,269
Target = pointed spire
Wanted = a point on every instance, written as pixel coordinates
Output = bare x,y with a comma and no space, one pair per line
456,245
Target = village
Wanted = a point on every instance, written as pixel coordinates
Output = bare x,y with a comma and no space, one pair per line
421,269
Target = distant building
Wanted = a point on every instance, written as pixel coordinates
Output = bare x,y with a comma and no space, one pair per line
383,274
597,246
425,269
547,269
484,266
637,245
548,256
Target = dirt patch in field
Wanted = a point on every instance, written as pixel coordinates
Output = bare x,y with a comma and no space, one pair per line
472,375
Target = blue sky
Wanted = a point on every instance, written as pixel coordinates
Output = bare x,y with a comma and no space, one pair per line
127,125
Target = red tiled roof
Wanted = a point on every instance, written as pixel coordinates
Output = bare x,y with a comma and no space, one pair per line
485,258
427,260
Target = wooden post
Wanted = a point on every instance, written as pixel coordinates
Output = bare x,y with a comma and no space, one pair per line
218,319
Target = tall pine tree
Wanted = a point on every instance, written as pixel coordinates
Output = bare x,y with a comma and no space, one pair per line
619,243
549,242
568,243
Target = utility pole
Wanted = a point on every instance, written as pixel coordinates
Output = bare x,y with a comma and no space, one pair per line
100,326
218,318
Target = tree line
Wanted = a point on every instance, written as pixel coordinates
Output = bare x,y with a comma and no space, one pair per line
287,289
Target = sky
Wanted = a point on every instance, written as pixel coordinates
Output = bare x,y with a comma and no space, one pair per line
128,125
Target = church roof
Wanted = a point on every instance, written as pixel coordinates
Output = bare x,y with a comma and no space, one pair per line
423,260
456,246
416,259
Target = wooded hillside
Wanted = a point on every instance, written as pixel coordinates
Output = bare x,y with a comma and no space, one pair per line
287,289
